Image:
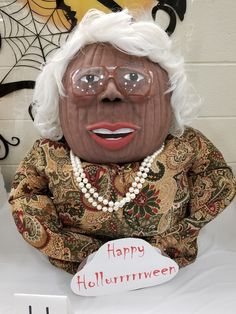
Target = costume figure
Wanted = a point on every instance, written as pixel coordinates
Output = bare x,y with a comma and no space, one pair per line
116,158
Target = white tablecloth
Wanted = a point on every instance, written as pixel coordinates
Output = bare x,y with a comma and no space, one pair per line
206,287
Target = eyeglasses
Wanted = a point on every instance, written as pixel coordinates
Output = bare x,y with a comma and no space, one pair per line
94,80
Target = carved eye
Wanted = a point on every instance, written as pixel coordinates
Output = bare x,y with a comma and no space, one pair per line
133,77
90,78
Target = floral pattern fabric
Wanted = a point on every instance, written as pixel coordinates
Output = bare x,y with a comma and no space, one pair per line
188,185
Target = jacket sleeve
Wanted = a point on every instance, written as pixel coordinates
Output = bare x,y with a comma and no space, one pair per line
212,187
37,220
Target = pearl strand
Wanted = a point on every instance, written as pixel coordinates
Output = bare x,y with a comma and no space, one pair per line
101,203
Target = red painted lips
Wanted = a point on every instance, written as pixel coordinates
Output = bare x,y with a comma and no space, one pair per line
113,136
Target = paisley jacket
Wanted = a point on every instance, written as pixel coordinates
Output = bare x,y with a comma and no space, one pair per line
187,186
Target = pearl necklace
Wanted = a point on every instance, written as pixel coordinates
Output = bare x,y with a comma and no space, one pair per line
101,203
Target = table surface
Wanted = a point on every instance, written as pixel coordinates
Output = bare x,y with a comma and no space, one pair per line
205,287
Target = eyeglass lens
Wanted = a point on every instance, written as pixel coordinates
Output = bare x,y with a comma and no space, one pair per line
91,81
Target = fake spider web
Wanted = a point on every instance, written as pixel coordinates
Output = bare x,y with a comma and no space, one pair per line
32,30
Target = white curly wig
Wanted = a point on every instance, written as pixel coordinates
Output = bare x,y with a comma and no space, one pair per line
139,37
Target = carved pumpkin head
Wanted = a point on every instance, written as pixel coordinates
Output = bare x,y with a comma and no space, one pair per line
115,108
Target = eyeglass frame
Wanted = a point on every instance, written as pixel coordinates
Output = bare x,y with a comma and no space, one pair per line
110,73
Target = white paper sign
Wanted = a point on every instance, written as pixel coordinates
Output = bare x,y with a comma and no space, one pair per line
121,265
40,304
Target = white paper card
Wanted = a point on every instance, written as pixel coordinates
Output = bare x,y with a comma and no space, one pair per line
40,304
121,265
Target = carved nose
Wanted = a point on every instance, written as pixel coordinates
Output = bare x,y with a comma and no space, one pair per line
111,93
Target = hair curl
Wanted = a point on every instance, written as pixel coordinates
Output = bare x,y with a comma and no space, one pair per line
140,37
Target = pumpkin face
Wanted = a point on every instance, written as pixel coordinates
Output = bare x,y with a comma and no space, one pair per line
119,113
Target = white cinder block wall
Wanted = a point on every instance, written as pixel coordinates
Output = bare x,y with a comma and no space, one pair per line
207,39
